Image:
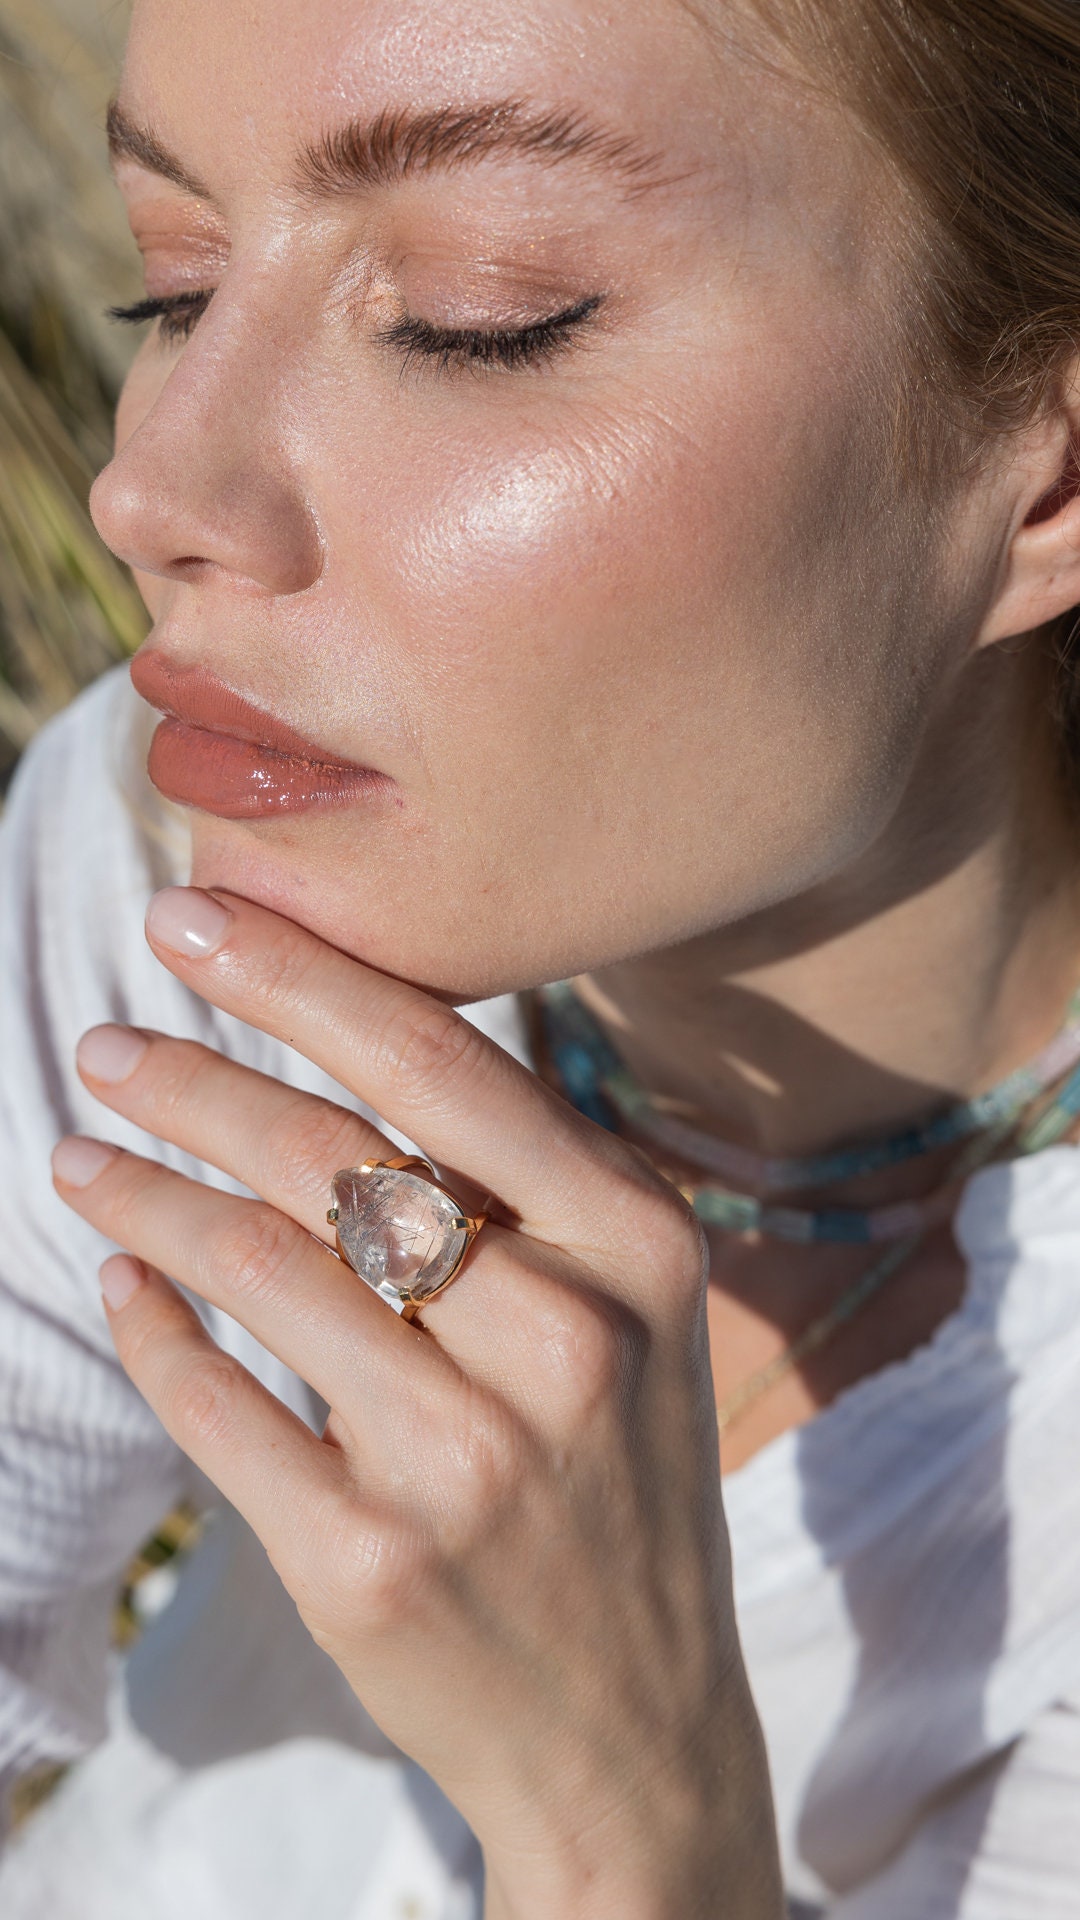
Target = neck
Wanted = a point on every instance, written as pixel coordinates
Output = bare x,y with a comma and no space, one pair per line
940,960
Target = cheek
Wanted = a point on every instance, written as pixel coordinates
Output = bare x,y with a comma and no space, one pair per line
518,562
632,559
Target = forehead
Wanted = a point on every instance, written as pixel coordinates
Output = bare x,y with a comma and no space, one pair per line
254,84
762,174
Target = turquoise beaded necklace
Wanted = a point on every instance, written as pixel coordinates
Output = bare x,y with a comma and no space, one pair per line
600,1085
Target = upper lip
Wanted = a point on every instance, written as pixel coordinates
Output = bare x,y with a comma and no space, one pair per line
201,699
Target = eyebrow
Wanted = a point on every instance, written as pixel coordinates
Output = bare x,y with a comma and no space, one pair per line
129,141
399,144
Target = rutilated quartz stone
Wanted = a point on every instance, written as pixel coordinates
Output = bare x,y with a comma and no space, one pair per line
398,1231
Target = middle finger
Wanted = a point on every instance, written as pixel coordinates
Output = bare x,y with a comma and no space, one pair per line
284,1144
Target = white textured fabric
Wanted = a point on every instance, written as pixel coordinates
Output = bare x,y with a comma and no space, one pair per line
907,1566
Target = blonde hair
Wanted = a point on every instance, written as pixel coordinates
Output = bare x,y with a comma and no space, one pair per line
975,106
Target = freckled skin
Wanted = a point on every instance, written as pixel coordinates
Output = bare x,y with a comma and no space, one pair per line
637,614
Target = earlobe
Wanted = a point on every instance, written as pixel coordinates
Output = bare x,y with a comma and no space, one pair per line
1041,574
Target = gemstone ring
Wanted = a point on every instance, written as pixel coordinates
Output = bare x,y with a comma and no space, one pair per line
400,1229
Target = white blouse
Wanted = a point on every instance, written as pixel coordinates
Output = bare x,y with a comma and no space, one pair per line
907,1565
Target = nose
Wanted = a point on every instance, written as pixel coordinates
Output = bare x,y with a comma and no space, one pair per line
206,480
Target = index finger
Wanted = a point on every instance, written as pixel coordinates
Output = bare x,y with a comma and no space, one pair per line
421,1066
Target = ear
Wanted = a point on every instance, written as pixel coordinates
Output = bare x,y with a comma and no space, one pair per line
1040,575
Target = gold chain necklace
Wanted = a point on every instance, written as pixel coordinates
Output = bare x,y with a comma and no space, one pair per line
816,1334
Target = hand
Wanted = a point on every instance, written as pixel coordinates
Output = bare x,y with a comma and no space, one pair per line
509,1536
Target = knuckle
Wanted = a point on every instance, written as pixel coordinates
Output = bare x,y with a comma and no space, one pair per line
131,1183
583,1349
687,1262
379,1573
596,1359
138,1337
484,1464
201,1403
348,1547
179,1066
424,1050
285,965
253,1250
660,1226
306,1143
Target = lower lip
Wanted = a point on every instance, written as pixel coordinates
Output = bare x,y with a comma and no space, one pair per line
240,780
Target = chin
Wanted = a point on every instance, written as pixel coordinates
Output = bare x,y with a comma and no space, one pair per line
351,904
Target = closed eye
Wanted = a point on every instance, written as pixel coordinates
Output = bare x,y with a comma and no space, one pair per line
446,347
478,347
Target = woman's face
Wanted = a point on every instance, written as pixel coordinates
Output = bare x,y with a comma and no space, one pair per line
625,610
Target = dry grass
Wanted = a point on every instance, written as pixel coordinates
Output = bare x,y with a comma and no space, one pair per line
66,607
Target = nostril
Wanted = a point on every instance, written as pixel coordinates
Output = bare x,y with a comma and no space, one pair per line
183,509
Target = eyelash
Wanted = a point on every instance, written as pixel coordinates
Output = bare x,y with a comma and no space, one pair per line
447,347
179,313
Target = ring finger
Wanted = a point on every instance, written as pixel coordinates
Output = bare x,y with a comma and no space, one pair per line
260,1266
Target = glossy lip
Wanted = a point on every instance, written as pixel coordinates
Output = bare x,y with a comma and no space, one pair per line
217,751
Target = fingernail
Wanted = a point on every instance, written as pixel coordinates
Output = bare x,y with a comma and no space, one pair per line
110,1054
120,1277
188,921
77,1161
